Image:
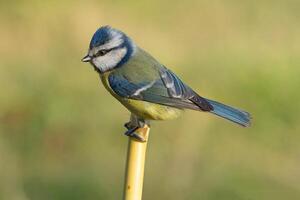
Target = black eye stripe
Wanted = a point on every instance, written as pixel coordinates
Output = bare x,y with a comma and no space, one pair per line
102,52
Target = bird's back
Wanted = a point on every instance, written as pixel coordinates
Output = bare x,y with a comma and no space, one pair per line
141,67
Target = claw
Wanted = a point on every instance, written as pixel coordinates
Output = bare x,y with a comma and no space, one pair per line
131,133
128,125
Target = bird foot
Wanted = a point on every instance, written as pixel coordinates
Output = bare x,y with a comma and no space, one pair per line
135,124
129,125
131,133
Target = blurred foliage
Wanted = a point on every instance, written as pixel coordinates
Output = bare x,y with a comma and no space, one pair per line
61,132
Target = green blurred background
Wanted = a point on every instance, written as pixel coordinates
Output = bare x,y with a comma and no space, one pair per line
61,133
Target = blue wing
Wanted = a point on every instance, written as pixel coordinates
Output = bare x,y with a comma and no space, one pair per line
166,89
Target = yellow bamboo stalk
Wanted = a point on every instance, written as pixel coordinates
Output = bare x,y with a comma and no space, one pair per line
134,174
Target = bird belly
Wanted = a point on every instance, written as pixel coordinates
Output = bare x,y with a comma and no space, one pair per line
152,111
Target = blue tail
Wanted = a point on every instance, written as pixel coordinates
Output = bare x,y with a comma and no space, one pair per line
235,115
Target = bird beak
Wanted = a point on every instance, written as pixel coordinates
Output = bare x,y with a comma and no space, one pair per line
86,58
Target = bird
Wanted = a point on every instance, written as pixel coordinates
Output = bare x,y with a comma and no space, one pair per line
147,88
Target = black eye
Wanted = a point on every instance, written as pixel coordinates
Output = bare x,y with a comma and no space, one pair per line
101,53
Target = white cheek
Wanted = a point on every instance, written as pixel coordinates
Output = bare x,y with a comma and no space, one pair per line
110,60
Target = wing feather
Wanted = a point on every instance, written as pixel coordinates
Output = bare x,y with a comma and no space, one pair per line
167,89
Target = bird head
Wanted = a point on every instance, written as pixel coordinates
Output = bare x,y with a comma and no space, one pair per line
109,48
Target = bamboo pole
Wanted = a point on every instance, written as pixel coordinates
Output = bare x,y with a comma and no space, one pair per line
134,174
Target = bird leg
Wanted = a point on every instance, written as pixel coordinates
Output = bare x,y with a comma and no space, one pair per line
133,125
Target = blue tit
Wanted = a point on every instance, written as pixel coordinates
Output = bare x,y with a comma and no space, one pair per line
144,86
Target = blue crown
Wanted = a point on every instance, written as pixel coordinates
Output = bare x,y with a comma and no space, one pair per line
101,36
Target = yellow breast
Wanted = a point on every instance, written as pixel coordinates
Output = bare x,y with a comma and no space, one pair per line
143,109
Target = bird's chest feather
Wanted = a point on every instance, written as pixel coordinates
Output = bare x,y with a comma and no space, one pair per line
142,109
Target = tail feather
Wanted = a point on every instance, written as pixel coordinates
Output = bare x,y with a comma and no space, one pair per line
233,114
